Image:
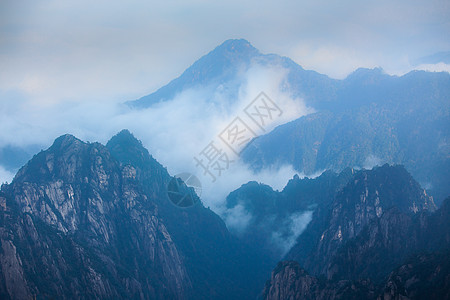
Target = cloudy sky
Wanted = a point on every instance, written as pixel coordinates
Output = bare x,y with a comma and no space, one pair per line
53,51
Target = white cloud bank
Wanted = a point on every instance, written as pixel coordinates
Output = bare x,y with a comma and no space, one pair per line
439,67
173,131
296,224
5,176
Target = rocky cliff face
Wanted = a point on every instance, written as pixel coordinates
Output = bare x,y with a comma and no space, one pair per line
82,222
364,243
364,199
86,221
388,241
214,258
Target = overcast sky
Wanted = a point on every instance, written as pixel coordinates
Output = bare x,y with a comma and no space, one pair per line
52,51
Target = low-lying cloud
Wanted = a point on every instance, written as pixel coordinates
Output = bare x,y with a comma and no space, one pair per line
173,131
294,226
372,161
439,67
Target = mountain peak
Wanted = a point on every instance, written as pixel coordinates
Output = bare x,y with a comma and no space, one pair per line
236,46
367,74
219,65
127,149
125,136
125,141
66,138
65,141
230,52
383,183
125,132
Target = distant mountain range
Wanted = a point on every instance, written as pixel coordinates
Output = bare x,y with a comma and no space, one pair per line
375,119
369,118
91,221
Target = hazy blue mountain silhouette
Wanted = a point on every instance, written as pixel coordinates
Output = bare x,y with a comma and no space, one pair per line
222,65
366,118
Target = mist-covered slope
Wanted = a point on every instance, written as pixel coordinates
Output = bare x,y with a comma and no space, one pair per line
271,221
377,119
366,119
